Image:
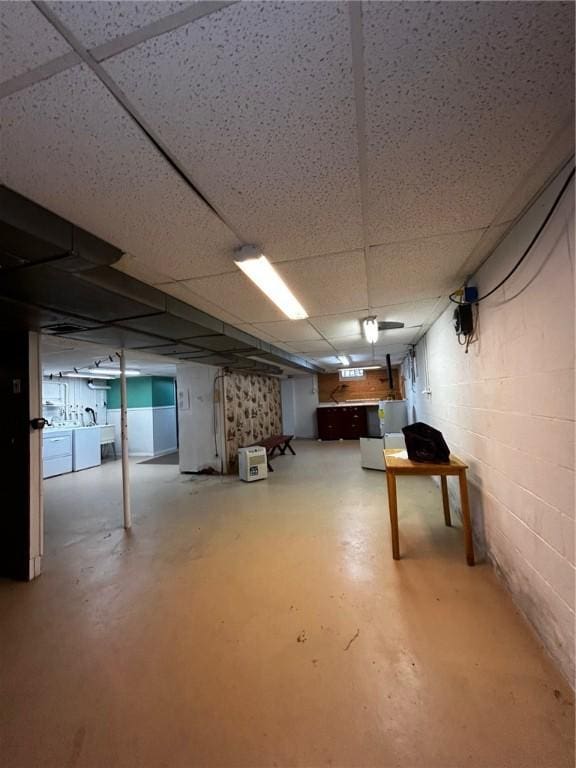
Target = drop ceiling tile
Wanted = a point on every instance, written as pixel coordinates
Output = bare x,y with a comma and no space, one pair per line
345,324
183,293
289,330
410,313
27,39
397,353
328,284
135,267
461,100
97,22
327,360
318,346
283,163
238,294
253,330
345,344
418,269
397,336
69,146
357,345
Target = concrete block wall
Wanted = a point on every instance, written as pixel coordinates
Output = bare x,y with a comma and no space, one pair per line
507,408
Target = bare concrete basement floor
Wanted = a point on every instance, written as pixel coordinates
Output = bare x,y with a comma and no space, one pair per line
267,625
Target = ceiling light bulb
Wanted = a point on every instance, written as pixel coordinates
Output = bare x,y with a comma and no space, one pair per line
370,328
263,274
344,360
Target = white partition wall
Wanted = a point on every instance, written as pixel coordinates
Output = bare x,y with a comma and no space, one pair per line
200,418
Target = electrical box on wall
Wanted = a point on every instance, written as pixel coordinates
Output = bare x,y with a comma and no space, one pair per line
463,320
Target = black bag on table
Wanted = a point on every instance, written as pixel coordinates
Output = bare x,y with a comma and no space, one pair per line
425,444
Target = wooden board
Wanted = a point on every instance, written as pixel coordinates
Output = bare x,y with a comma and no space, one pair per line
373,387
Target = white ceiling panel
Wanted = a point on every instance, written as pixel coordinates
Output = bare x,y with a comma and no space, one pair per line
328,284
397,336
418,269
411,313
240,296
259,333
97,21
257,102
135,267
68,146
349,323
290,330
461,100
346,344
346,324
312,347
27,40
183,293
397,353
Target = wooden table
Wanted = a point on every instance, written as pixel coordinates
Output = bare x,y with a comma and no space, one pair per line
395,465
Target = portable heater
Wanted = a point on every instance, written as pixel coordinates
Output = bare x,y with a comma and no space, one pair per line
252,463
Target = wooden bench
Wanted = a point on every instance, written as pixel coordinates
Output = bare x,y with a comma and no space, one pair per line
280,442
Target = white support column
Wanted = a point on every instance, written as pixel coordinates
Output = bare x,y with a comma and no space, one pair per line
36,505
124,439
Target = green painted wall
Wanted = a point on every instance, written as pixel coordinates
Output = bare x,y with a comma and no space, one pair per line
143,392
163,391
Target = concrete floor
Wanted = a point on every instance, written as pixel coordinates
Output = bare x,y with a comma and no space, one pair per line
267,625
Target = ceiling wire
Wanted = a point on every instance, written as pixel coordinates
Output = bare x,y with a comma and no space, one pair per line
529,246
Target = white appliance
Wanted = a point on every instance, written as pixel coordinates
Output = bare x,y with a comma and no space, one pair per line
371,452
372,449
85,448
56,452
252,463
393,415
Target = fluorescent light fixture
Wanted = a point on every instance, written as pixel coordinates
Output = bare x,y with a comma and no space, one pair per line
257,267
370,329
87,375
344,360
106,372
372,367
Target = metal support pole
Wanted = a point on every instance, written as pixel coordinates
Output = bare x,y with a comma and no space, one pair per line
124,435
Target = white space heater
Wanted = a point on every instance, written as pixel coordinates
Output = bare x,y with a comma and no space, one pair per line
252,464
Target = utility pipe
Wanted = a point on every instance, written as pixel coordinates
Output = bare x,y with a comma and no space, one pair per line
124,438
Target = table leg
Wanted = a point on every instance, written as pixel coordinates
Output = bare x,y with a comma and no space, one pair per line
445,499
393,507
465,504
292,451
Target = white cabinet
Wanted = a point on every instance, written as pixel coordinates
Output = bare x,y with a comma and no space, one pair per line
57,452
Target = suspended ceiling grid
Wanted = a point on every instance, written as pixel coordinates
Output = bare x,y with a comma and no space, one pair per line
377,151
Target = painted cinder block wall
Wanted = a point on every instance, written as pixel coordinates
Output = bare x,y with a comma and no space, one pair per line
507,408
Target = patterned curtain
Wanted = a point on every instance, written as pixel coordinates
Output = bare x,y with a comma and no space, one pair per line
252,411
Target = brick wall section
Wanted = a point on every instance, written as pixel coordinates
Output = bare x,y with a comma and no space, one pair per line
507,408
